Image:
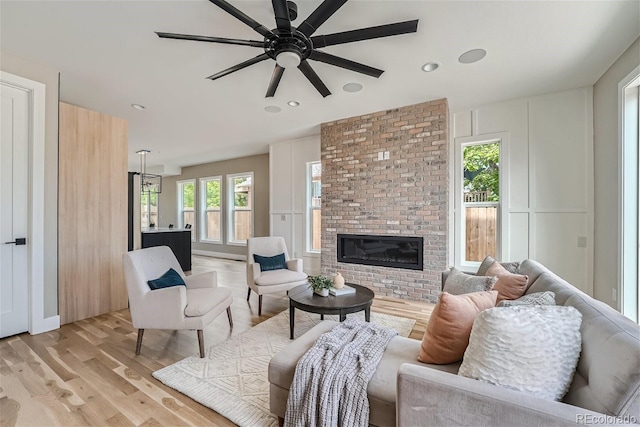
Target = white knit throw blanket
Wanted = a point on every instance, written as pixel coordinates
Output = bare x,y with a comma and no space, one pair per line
329,386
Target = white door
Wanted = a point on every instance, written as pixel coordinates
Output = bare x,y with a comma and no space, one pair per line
14,192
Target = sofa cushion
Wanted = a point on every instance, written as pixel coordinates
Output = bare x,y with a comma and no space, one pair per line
548,281
449,327
538,298
381,388
532,269
458,283
532,349
608,374
509,285
279,277
511,267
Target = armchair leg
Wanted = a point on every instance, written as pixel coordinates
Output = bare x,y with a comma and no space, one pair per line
248,293
230,318
139,342
260,305
201,343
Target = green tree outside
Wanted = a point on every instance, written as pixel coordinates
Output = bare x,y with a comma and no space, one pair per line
188,196
482,169
213,194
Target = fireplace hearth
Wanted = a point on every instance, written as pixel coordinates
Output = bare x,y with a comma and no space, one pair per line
383,251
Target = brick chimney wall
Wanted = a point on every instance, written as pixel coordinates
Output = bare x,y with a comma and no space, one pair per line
407,194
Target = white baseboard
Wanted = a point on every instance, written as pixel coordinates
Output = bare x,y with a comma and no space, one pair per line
45,325
219,255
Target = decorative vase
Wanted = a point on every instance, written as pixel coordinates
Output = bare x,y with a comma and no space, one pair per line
322,292
338,281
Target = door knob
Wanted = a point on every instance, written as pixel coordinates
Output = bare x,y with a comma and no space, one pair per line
17,242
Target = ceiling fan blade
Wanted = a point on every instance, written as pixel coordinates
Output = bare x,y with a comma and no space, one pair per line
345,63
313,78
278,71
319,16
281,10
239,66
365,34
231,10
254,43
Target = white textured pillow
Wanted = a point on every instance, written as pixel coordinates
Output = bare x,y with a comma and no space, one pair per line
532,349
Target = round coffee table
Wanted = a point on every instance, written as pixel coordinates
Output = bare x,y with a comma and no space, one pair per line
303,298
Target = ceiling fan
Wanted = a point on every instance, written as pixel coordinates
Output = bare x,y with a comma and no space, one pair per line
292,47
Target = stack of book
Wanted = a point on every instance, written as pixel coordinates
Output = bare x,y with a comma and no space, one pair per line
346,290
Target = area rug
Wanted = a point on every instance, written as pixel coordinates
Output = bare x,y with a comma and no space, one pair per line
232,377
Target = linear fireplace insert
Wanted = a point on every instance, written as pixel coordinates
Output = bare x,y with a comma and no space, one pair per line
384,251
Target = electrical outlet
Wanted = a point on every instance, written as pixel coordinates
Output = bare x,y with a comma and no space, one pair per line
283,217
614,294
380,155
386,155
582,242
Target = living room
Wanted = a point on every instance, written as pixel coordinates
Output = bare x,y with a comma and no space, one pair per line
560,190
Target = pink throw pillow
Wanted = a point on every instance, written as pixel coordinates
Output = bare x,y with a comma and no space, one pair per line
449,327
509,286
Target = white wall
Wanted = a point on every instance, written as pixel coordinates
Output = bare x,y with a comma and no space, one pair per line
607,155
287,193
549,205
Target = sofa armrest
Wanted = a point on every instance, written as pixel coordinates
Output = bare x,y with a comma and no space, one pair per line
430,397
295,265
208,279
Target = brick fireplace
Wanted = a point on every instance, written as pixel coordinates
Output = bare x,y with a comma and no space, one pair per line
405,194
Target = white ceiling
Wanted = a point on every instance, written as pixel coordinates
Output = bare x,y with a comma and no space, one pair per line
109,57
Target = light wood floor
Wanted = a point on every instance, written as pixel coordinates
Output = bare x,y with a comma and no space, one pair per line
86,372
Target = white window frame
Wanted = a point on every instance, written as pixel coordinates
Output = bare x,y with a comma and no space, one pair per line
204,209
310,209
502,233
230,208
628,200
180,194
147,208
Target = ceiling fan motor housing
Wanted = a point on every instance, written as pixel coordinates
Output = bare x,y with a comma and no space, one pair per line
295,42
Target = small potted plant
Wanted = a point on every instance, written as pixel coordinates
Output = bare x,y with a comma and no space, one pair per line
320,284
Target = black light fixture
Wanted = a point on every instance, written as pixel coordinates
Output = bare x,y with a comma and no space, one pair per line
149,183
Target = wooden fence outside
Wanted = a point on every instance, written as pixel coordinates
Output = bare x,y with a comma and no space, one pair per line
481,232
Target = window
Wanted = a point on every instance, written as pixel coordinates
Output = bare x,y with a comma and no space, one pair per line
240,208
314,196
478,203
148,209
186,206
629,181
211,219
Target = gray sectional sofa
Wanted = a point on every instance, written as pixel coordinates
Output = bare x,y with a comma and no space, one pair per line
405,392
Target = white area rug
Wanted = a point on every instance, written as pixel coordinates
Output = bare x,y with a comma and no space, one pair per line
232,377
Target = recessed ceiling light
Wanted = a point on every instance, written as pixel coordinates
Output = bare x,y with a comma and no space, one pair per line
138,106
293,103
272,109
352,87
430,66
472,56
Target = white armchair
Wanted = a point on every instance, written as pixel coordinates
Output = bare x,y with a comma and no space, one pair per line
264,282
176,307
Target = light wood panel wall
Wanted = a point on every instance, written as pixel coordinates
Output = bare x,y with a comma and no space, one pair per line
92,213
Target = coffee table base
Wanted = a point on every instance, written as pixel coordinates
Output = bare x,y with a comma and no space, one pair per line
342,312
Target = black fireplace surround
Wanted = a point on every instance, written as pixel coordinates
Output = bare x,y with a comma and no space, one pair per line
384,251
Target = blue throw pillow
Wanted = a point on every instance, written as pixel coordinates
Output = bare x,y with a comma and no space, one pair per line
168,279
268,263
